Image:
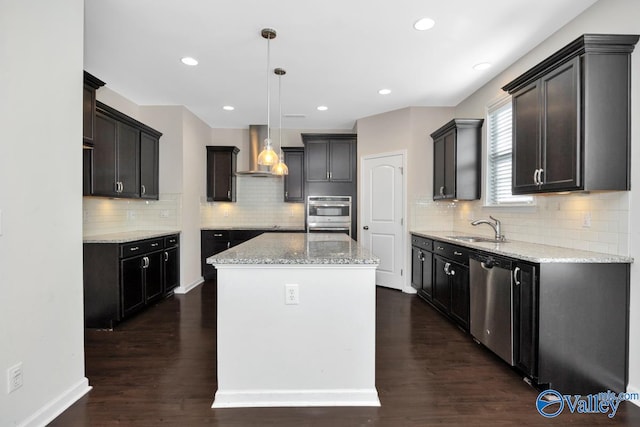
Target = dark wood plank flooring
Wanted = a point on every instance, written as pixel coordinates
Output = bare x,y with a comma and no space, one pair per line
159,369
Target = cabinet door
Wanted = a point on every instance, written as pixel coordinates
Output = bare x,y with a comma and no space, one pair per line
416,267
317,161
149,160
459,279
438,169
427,275
340,161
103,166
525,299
131,285
128,160
294,182
153,276
450,165
219,174
526,139
441,286
171,273
88,115
560,145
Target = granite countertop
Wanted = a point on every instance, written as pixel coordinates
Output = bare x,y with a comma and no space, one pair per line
128,236
296,248
254,227
532,252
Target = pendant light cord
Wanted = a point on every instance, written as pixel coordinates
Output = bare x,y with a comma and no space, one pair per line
268,89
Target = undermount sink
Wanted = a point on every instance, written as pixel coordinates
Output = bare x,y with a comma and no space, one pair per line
472,239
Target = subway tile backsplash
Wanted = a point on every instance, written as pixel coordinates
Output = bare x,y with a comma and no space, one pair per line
102,215
596,221
259,203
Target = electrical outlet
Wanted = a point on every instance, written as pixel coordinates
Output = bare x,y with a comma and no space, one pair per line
14,378
291,294
164,214
586,220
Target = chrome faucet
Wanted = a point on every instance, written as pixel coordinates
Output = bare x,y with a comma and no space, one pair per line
495,225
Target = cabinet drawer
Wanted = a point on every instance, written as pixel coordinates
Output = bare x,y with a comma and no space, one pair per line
171,241
216,234
422,243
455,253
141,246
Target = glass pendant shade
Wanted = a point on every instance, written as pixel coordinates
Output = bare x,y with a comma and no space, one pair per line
267,156
280,168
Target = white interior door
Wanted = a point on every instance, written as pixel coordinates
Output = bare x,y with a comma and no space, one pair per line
383,216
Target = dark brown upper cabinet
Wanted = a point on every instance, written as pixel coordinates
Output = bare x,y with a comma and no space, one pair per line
571,118
221,173
294,182
456,160
329,157
124,160
91,84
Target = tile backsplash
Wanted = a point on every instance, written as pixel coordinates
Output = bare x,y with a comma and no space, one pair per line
102,215
259,203
591,221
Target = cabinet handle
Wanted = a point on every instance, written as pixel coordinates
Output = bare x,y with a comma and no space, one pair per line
228,194
442,191
121,187
540,176
145,262
446,268
327,175
330,175
135,248
166,256
457,253
228,245
153,245
535,176
439,248
217,235
286,194
515,276
420,256
144,190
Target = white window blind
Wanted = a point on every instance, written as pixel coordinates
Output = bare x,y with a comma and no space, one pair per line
499,151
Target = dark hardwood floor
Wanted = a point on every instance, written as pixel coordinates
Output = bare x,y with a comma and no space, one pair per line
159,369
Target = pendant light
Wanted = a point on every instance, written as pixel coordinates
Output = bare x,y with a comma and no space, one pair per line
267,156
280,168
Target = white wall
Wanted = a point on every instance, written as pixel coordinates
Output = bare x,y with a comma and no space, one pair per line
41,309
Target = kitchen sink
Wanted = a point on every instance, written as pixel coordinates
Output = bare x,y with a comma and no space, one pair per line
472,239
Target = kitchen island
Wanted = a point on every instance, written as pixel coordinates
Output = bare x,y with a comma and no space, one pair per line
296,322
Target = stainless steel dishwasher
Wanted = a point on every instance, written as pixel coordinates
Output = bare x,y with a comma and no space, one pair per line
491,303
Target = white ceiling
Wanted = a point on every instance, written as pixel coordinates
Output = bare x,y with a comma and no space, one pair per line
337,53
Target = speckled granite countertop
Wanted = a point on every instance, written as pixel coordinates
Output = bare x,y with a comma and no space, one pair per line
253,227
128,236
296,248
532,252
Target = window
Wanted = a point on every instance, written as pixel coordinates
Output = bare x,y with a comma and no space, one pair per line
499,151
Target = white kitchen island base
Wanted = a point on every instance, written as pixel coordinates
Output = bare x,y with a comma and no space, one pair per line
319,352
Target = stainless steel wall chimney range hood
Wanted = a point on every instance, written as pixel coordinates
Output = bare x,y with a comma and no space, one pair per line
257,135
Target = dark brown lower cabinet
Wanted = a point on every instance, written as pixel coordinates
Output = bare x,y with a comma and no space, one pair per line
121,279
451,290
525,301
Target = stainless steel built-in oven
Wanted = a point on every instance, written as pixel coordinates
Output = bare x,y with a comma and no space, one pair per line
329,214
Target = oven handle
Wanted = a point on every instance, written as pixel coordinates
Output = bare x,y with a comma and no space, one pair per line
330,205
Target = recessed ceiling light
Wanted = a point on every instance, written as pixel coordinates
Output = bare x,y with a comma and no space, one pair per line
323,108
229,108
384,91
187,60
481,66
424,24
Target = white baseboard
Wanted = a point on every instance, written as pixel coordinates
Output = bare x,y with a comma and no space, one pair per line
298,398
184,289
57,406
409,290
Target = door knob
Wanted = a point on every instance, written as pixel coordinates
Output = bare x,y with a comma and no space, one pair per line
366,227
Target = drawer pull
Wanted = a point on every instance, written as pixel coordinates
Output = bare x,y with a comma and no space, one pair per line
217,235
440,248
135,248
153,245
457,253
